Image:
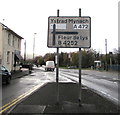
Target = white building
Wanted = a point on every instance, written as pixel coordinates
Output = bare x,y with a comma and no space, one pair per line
10,48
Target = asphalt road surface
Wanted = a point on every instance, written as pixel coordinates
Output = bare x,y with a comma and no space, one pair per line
104,83
20,88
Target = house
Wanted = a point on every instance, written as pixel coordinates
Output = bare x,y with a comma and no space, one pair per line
10,48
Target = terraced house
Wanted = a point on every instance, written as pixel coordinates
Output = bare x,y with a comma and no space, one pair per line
10,48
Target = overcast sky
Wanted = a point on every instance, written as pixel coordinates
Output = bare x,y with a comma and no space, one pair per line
27,17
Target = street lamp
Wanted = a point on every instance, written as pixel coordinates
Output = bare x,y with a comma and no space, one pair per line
106,54
34,45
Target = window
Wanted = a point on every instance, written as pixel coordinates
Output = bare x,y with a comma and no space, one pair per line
13,41
9,35
18,43
8,57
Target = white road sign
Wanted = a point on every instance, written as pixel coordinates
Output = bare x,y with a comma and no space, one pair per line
69,32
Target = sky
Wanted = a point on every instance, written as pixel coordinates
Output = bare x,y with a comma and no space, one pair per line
26,17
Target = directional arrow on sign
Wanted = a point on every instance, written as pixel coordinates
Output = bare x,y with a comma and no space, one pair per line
64,32
55,32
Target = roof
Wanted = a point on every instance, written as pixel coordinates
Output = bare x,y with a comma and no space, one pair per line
11,31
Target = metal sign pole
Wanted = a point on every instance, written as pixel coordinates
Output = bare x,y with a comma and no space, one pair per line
57,75
57,69
78,29
80,85
80,57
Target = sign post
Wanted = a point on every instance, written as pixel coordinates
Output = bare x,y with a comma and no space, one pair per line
80,67
69,32
57,67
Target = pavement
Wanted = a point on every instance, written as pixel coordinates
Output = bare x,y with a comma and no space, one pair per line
46,101
20,73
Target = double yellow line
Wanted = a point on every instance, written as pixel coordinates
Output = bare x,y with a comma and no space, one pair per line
19,98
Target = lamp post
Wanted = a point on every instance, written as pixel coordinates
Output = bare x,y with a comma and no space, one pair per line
25,51
34,46
106,54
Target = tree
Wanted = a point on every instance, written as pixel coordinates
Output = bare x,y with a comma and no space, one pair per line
49,57
88,58
39,60
75,59
63,59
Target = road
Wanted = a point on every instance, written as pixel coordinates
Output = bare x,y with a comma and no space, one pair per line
20,88
104,83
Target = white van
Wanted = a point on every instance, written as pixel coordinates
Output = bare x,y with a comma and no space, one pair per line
50,66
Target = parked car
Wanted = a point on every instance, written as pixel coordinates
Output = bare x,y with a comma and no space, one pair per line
5,74
27,65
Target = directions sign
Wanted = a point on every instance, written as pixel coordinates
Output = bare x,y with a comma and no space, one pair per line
69,32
